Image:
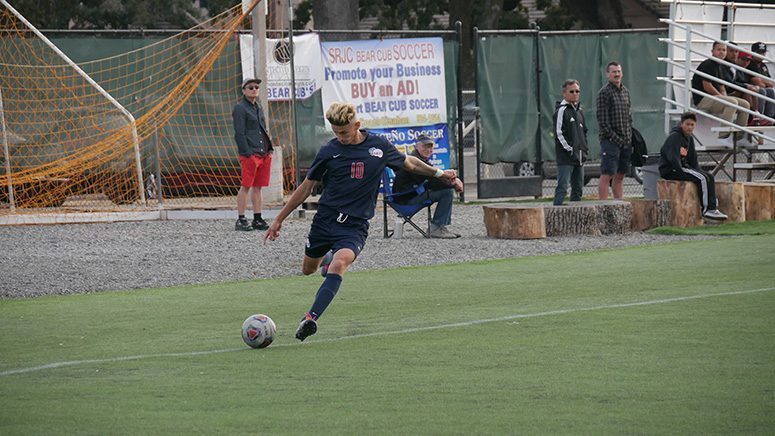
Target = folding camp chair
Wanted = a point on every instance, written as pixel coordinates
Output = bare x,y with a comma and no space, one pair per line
405,211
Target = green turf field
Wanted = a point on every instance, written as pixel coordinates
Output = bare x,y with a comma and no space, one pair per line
667,339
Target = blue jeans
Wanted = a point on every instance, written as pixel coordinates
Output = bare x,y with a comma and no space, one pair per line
569,173
442,215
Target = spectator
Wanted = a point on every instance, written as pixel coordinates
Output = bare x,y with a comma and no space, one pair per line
351,166
255,155
758,66
731,57
614,118
678,161
731,109
570,143
745,79
440,192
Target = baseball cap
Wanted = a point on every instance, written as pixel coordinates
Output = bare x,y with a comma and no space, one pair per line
744,55
424,139
759,47
249,81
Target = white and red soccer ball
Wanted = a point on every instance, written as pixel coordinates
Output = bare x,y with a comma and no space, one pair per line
258,331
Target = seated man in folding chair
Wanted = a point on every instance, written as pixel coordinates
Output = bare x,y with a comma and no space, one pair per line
439,191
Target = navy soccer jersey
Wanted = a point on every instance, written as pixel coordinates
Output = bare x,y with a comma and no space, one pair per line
351,173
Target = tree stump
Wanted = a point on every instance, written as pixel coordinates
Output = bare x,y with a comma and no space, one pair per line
510,221
685,206
592,218
731,200
539,220
759,201
648,214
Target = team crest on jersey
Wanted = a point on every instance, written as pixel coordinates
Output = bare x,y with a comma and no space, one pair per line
375,152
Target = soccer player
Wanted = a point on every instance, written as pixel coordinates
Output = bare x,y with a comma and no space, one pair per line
350,167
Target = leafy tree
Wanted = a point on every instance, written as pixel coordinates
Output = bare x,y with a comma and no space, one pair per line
46,14
109,14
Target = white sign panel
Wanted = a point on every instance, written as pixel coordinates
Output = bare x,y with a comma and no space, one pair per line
391,82
307,63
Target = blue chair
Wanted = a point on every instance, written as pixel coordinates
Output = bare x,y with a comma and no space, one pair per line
405,211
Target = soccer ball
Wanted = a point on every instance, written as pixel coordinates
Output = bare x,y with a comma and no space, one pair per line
258,331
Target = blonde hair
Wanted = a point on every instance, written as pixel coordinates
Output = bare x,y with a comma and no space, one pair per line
341,114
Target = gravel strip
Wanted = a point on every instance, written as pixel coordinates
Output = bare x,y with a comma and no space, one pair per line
83,258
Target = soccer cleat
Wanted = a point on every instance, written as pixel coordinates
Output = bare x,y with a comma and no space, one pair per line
715,214
243,225
259,224
307,328
325,263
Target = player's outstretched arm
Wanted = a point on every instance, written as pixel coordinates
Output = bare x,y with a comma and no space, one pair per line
299,195
417,166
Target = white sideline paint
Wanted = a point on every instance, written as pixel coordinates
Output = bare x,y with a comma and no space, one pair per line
394,332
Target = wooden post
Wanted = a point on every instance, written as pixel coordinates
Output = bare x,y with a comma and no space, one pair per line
648,214
731,200
509,221
685,208
759,201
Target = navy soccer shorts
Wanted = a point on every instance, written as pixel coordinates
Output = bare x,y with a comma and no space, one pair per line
332,231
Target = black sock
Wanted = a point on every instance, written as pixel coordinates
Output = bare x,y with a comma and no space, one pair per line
241,217
325,294
257,216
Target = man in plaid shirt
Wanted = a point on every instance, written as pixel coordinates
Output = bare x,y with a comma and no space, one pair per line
614,119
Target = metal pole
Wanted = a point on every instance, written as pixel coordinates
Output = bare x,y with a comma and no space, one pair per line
258,30
537,59
113,101
688,68
295,145
159,181
6,154
475,43
460,148
669,91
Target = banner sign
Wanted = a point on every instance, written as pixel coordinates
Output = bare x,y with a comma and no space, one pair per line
307,62
404,138
391,82
397,86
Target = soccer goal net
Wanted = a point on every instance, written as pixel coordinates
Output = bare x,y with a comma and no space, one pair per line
123,131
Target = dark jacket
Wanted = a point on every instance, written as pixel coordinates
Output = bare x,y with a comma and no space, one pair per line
670,160
406,181
570,134
250,131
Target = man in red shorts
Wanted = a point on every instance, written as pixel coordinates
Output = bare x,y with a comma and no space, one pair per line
255,154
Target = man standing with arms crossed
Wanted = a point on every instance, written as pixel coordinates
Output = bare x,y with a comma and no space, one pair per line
614,119
255,154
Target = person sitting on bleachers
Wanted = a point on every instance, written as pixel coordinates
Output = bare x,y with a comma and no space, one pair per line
766,86
742,78
728,111
678,161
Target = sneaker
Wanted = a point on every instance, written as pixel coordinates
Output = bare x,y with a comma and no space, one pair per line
441,232
307,328
324,264
715,214
243,225
259,224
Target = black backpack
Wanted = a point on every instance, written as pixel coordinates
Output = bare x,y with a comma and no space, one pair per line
639,150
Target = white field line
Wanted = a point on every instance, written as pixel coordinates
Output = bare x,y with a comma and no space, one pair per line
387,333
